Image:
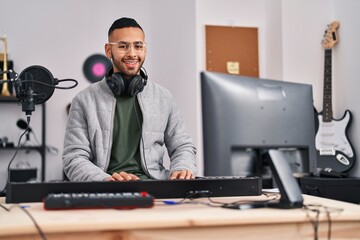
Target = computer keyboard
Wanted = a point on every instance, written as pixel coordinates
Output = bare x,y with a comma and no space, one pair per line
123,200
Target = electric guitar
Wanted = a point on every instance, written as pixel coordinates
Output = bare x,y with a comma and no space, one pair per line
333,147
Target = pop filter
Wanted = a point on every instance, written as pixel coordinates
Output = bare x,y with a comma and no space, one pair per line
40,81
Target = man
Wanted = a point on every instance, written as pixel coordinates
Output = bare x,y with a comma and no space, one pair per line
117,127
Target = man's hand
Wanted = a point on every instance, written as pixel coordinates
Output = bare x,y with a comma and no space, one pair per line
122,176
182,174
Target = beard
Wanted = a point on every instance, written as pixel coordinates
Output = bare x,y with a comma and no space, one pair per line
120,66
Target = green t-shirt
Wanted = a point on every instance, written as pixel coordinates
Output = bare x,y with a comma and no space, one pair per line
125,151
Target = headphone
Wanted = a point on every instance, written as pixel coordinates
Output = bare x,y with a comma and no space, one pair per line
123,87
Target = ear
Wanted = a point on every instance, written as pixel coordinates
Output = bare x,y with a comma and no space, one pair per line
145,52
108,50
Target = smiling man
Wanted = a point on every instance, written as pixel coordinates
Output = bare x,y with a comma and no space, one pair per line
118,128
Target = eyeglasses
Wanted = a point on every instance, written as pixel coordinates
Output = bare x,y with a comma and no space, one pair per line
124,47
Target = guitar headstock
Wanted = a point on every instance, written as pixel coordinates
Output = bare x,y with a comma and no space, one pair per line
330,36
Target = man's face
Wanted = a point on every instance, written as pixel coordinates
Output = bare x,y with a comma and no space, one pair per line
127,49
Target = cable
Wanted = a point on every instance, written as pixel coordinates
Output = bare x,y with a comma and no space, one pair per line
7,209
317,209
191,201
41,233
49,149
36,139
12,159
23,208
212,203
3,207
49,85
45,84
314,222
329,225
67,80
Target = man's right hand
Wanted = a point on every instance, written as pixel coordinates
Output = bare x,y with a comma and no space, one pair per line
122,176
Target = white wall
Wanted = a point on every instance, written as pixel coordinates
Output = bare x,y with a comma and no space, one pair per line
262,14
173,54
346,76
290,34
61,34
304,23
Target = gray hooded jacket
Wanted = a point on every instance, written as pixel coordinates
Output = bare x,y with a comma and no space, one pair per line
88,136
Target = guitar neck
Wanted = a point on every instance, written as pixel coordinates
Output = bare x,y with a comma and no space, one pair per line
327,95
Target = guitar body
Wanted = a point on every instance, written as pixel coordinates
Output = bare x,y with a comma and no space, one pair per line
332,145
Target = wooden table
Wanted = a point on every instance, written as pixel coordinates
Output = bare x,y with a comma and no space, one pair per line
185,221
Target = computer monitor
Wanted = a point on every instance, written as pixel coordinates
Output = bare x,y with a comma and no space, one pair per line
244,117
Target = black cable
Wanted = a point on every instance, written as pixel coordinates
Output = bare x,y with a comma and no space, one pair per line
67,80
3,207
49,149
192,198
12,159
50,85
8,208
191,201
329,224
315,224
209,204
36,141
40,231
315,221
317,208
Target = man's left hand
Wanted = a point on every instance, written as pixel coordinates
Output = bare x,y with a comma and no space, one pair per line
182,174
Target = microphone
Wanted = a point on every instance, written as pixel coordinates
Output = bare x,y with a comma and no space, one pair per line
22,124
35,85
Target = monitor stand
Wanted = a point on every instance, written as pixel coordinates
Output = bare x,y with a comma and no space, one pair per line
289,189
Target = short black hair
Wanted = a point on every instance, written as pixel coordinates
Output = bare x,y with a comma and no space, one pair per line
124,23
